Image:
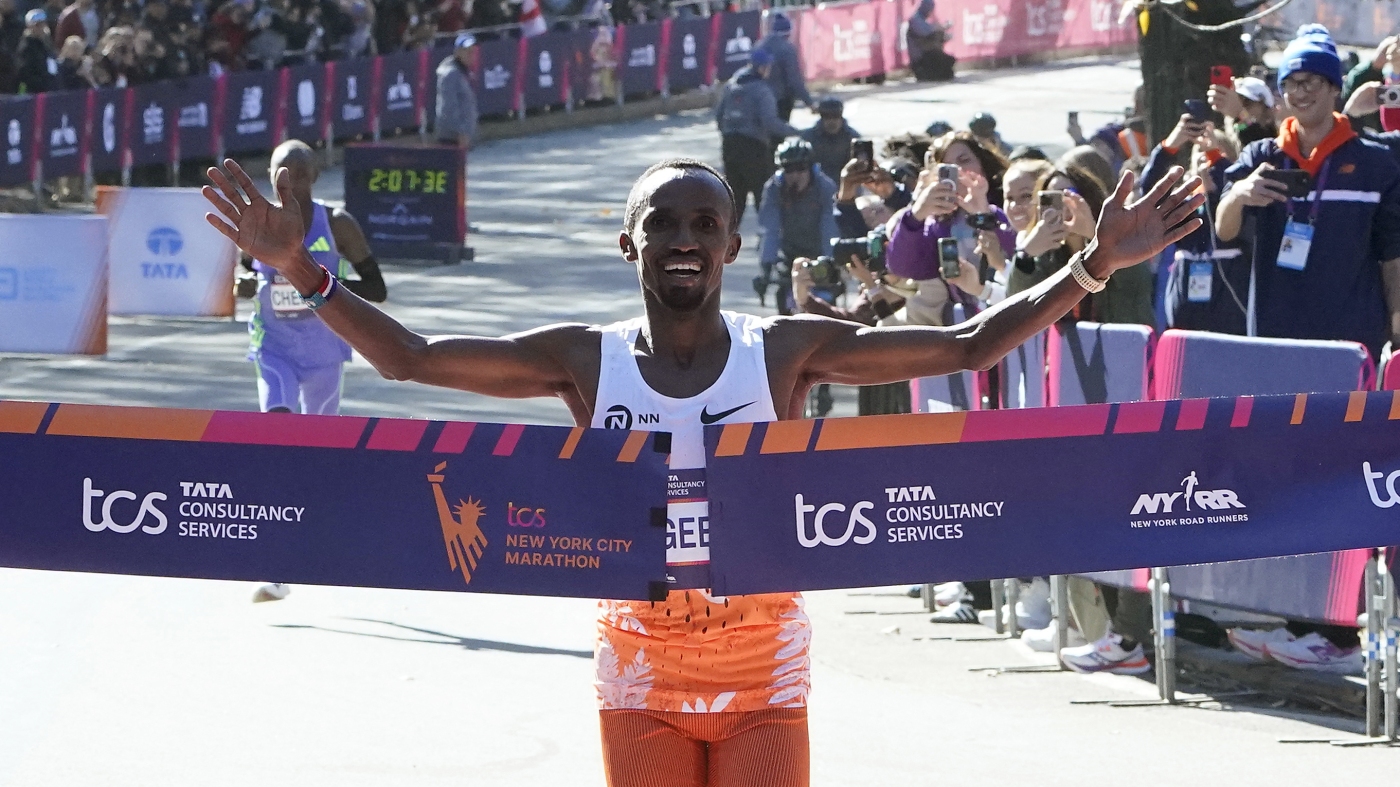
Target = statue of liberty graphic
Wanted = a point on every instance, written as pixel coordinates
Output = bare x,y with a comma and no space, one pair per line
461,531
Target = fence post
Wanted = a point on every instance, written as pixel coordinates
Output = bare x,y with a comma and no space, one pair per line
927,593
1392,703
1013,594
1059,592
1373,666
998,601
1164,635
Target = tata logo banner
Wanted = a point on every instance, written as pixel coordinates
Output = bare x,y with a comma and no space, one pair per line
891,500
53,284
194,116
546,72
306,101
423,505
253,107
400,89
16,140
353,95
496,78
109,125
63,132
164,257
152,137
688,54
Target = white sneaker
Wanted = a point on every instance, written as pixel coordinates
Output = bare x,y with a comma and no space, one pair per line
949,593
961,612
1253,642
1033,605
1106,655
1043,639
273,592
1317,653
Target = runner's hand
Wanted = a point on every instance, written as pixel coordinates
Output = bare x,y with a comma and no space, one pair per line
1130,232
268,233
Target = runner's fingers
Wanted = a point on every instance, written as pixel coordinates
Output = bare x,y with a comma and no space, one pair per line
1182,230
1182,193
1182,211
218,224
242,179
230,191
220,203
1164,187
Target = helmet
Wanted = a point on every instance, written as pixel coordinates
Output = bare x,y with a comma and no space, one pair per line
938,128
794,151
982,125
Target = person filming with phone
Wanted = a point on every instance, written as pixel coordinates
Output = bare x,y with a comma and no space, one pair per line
1320,210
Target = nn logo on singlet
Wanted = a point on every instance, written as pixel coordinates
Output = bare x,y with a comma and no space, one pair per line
461,527
619,417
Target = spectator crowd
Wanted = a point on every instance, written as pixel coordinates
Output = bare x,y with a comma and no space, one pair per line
1300,240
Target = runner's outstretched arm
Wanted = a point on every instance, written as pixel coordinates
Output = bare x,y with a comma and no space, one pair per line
521,365
1128,233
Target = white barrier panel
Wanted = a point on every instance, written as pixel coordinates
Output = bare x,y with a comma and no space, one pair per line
165,258
53,284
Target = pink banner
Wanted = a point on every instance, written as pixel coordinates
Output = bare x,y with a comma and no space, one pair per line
839,42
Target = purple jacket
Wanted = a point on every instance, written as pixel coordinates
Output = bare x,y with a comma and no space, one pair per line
913,247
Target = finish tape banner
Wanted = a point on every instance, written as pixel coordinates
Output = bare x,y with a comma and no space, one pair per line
423,505
900,499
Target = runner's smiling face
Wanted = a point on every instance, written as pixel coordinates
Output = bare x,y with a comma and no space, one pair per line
682,238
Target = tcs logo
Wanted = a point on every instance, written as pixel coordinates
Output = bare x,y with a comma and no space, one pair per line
107,522
519,516
819,535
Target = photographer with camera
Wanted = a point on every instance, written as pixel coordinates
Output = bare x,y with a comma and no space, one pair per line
798,220
1319,209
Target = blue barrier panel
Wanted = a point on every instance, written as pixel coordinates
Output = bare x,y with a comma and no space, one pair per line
946,394
252,108
547,59
62,132
152,119
688,51
641,58
306,101
491,508
400,90
16,139
109,129
1092,363
1023,375
351,96
496,78
196,116
738,34
887,500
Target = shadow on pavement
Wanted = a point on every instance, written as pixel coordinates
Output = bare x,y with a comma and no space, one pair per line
466,643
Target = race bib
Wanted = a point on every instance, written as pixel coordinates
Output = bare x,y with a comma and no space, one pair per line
1198,283
287,303
687,529
1297,241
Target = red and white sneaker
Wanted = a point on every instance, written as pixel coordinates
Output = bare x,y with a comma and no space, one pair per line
1254,642
1106,655
1316,652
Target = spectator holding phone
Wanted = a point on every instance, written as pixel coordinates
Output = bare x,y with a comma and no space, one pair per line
832,136
1373,69
1248,107
1319,208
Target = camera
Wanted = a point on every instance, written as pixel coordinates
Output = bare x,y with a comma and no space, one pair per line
987,222
1390,97
949,265
871,249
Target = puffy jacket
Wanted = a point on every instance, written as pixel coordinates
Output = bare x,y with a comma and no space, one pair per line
831,150
747,107
456,102
786,75
819,198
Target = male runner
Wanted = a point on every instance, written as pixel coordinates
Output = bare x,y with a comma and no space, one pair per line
697,689
298,359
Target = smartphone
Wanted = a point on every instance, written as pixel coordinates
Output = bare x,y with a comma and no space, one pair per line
1052,200
949,172
1223,76
948,265
1197,109
1389,97
863,150
1297,181
984,221
1074,118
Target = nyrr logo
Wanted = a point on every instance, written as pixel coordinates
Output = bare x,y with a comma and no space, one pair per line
461,529
148,506
1204,499
855,518
1391,496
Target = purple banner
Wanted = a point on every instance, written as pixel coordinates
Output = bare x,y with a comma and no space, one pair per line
16,140
687,54
63,133
196,110
496,79
152,124
350,98
891,499
738,33
546,69
252,105
109,129
306,102
400,91
641,58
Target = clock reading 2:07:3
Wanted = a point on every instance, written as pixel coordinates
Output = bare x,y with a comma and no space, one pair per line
425,181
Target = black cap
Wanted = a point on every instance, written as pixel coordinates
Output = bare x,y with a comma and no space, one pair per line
831,105
983,124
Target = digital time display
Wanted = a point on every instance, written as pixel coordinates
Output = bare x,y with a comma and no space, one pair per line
412,181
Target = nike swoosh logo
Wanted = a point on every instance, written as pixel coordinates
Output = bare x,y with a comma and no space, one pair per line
707,418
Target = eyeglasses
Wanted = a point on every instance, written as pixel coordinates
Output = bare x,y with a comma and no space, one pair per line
1310,83
795,168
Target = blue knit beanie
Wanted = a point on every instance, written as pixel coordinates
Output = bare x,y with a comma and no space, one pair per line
1314,52
780,25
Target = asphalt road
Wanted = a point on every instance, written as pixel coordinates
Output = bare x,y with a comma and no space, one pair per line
141,681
